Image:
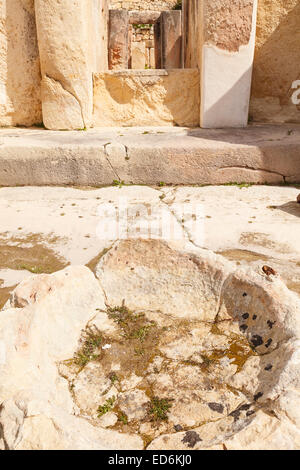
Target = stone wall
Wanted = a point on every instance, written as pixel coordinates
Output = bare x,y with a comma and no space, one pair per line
20,78
277,61
145,98
158,5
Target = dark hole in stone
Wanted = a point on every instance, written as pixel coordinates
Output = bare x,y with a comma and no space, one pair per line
245,294
191,438
245,316
257,396
256,340
178,427
268,343
254,317
243,327
270,324
216,407
269,367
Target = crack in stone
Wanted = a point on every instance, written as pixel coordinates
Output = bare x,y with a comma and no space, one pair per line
240,167
72,94
109,162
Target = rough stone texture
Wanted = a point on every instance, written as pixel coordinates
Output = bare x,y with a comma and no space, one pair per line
276,62
226,373
231,417
138,55
171,39
118,40
20,77
157,5
228,24
66,59
258,154
40,326
159,98
226,62
171,290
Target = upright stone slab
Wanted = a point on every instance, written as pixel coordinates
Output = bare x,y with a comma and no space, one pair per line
138,55
157,44
118,39
64,46
227,37
171,31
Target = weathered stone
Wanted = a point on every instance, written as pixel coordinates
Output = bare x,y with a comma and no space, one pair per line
138,55
183,284
118,40
226,49
275,85
20,78
147,97
171,39
66,63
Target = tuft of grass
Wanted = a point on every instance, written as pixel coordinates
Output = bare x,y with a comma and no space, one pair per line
118,183
108,406
240,185
123,418
92,339
113,377
158,408
134,326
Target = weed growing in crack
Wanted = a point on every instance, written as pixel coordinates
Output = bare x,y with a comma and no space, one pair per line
123,418
92,339
118,183
158,408
108,406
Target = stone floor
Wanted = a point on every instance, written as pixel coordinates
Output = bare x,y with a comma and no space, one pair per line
44,229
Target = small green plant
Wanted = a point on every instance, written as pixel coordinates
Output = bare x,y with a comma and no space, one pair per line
91,341
108,406
159,408
134,325
123,418
161,184
118,183
113,377
178,5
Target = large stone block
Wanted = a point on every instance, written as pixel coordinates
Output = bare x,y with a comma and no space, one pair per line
147,98
118,39
63,39
227,35
20,78
138,55
276,63
171,33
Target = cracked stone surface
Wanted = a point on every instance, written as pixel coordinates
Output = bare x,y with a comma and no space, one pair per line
227,363
84,365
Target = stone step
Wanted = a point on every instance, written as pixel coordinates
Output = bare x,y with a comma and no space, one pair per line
172,155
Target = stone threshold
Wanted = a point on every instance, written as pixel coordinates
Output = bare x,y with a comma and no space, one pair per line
260,153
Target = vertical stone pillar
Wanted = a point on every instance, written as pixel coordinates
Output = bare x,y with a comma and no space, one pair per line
157,44
227,40
64,47
118,39
171,31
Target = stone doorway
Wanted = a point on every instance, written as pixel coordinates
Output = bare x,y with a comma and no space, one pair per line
145,40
